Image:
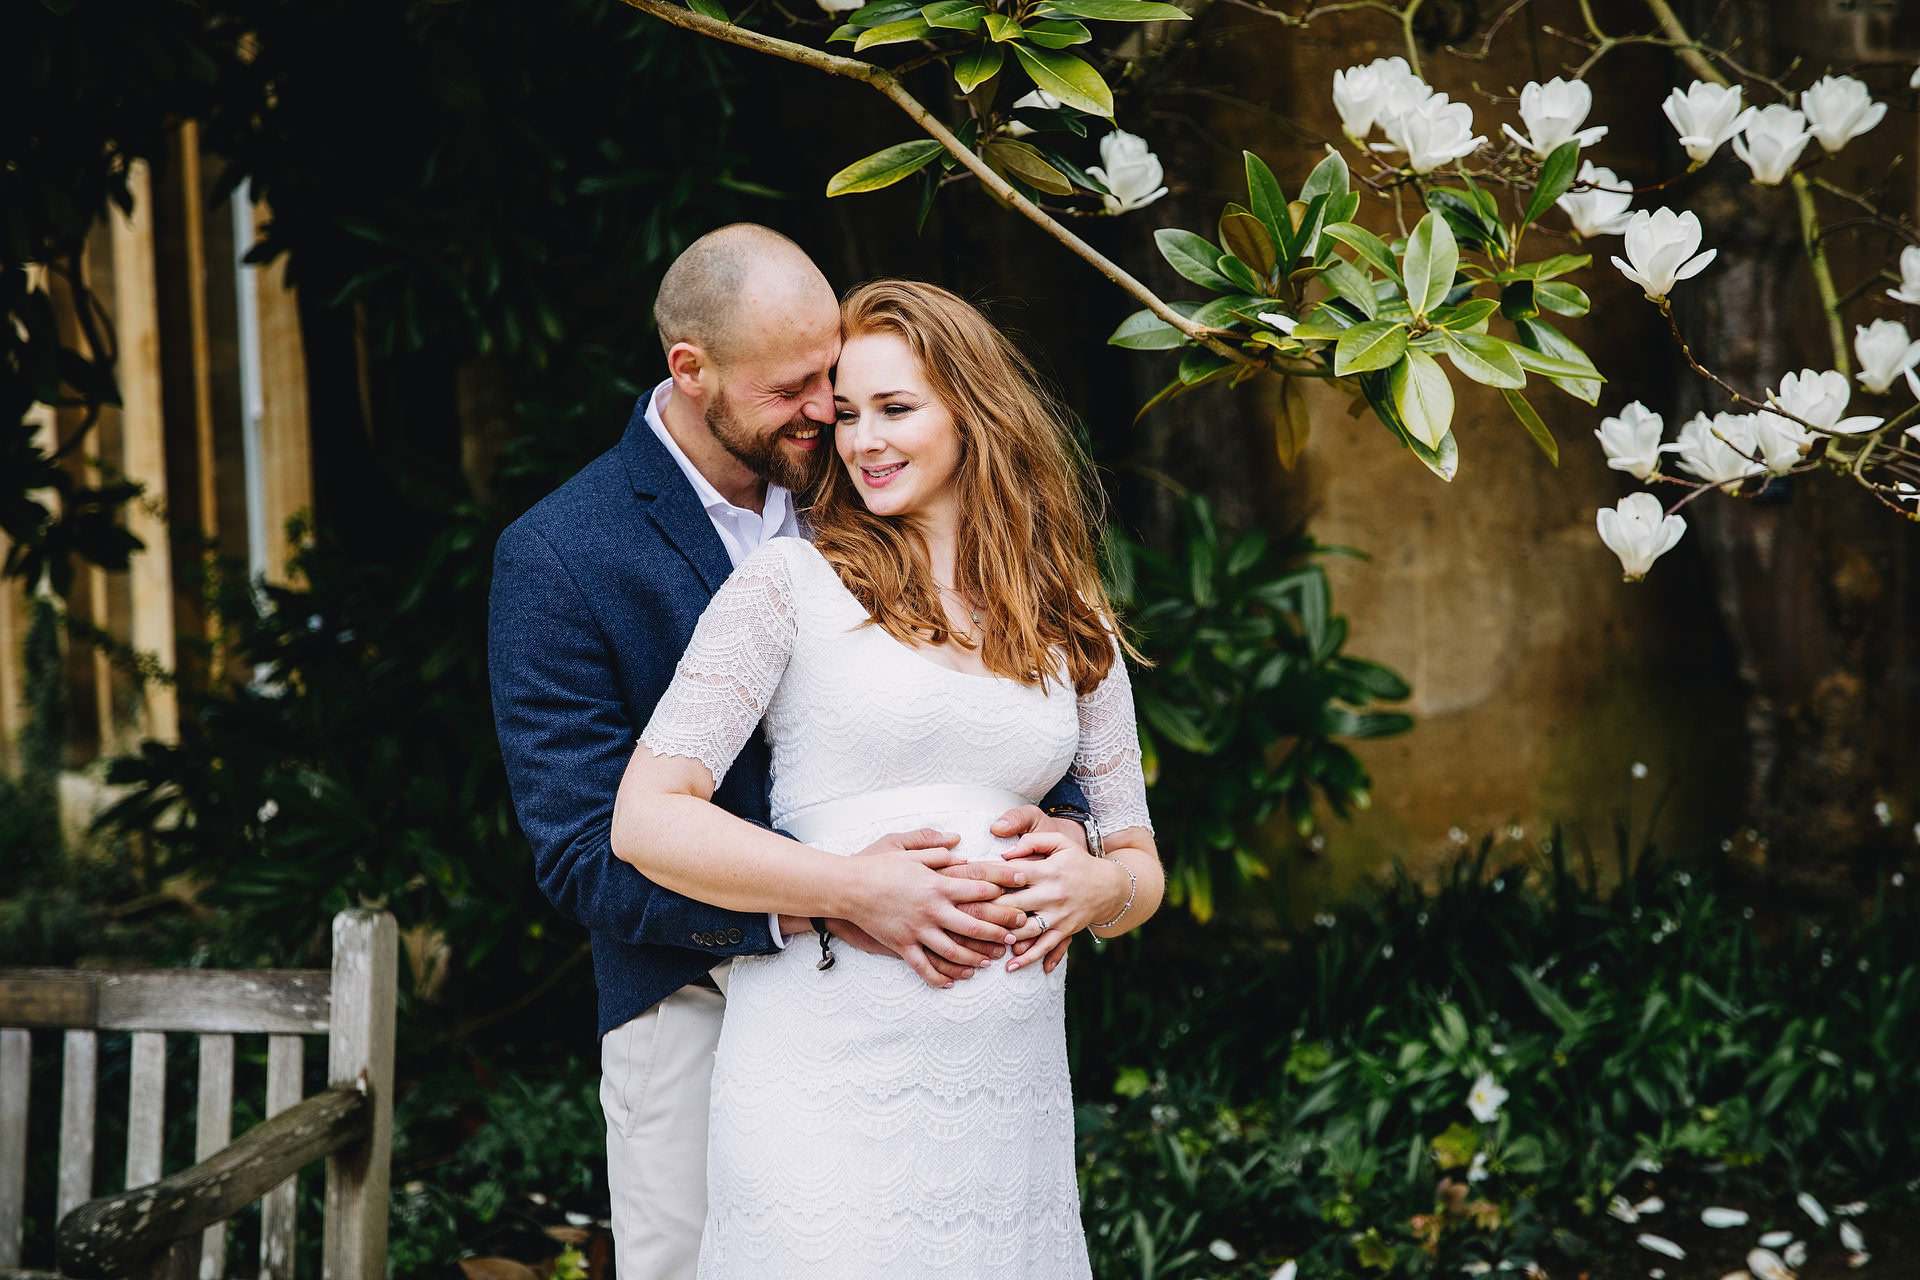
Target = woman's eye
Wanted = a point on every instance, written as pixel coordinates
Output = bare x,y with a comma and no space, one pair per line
844,415
895,410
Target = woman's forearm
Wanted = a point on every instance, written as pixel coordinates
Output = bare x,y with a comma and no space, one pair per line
1134,849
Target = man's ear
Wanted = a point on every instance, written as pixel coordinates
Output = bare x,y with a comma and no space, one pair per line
692,370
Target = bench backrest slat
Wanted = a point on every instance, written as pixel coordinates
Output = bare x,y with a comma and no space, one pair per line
213,1131
286,1057
79,1088
16,1063
146,1107
205,1001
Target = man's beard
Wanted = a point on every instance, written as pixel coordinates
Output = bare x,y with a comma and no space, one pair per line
761,454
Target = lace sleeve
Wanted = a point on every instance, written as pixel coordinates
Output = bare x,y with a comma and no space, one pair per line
1107,762
734,662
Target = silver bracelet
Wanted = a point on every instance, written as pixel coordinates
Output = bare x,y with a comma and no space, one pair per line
1133,887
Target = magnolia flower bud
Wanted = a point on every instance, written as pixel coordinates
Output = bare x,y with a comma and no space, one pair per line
1597,212
1038,100
1553,113
1885,352
1130,171
1909,290
1705,116
1723,450
1660,247
1632,441
1372,94
1639,531
1771,140
840,6
1839,108
1433,133
1819,399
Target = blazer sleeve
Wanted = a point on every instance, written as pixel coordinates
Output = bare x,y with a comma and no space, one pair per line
565,736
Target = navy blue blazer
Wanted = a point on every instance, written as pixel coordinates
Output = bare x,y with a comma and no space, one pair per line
596,590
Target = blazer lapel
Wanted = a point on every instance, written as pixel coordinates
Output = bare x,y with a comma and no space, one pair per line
670,501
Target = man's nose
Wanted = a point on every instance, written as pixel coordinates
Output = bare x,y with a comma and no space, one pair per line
818,406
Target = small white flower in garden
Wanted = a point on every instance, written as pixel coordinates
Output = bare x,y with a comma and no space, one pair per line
1659,1244
1651,1205
1598,212
1638,770
1287,1270
1456,835
1640,532
579,1220
1632,441
1223,1251
1795,1255
1038,100
1820,398
1771,141
1324,919
1812,1208
1909,290
1485,1099
1705,116
1851,1209
1660,251
1433,133
1851,1239
1656,1273
1885,352
1776,1239
1715,1216
1839,109
1765,1264
1475,1268
1372,94
1720,450
1477,1167
1883,813
269,810
1553,113
1285,324
1130,171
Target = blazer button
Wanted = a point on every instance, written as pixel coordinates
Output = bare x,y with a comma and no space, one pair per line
735,937
700,939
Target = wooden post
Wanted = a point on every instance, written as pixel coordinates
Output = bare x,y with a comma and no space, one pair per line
16,1062
365,970
284,438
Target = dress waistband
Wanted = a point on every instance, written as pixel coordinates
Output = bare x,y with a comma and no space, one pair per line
817,820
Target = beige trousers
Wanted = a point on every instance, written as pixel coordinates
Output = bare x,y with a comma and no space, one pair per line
656,1077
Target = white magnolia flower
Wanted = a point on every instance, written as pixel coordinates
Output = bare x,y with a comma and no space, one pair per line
1705,116
1597,212
1782,441
1632,441
1038,100
1885,352
1433,133
1715,1216
839,6
1375,93
1660,251
1819,399
1909,290
1223,1251
1720,450
1659,1244
1285,324
1771,141
1839,108
1765,1264
1130,171
1485,1099
1553,113
1639,531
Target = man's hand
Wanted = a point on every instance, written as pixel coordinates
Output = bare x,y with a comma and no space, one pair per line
911,910
1032,818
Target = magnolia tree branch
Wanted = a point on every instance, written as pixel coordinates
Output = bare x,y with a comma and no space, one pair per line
888,84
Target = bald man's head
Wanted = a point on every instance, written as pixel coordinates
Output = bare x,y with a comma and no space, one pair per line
730,290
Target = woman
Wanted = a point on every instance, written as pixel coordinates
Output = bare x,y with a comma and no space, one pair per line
940,652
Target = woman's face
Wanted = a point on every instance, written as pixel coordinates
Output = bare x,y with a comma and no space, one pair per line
896,439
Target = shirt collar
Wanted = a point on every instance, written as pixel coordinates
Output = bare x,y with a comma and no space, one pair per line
773,510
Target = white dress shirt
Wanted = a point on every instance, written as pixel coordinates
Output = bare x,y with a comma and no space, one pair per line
742,530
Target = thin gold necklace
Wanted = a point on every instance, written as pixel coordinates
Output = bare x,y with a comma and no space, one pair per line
955,593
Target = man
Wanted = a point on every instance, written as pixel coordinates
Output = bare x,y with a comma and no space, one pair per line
595,595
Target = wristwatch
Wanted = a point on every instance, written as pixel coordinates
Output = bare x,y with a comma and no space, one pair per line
1085,819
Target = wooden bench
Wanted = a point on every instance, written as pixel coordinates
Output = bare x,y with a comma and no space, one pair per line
173,1228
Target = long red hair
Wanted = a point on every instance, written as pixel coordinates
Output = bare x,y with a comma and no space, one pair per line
1030,508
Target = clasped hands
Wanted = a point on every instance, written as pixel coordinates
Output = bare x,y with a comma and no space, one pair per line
949,925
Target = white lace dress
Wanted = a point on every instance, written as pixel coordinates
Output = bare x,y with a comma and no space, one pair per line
864,1123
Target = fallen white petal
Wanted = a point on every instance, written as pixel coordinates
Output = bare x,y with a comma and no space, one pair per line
1652,1204
1766,1265
1858,1260
1718,1217
1854,1208
1619,1208
1811,1207
1776,1239
1851,1238
1796,1254
1659,1244
1287,1271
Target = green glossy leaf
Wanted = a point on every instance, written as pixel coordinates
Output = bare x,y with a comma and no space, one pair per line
1193,257
1070,79
1563,299
1246,238
709,9
1488,361
1171,391
1556,175
1144,331
977,65
1442,459
1201,365
1002,28
1423,396
1022,161
1302,230
845,31
873,15
1543,349
1265,199
1373,345
914,28
1075,174
1432,258
1224,313
1547,268
1349,282
1535,427
955,15
1518,300
1472,222
884,168
1173,724
1329,178
1291,421
1057,35
1240,273
1371,248
1468,315
1114,10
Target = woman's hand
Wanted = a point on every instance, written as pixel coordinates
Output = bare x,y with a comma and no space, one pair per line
1068,889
